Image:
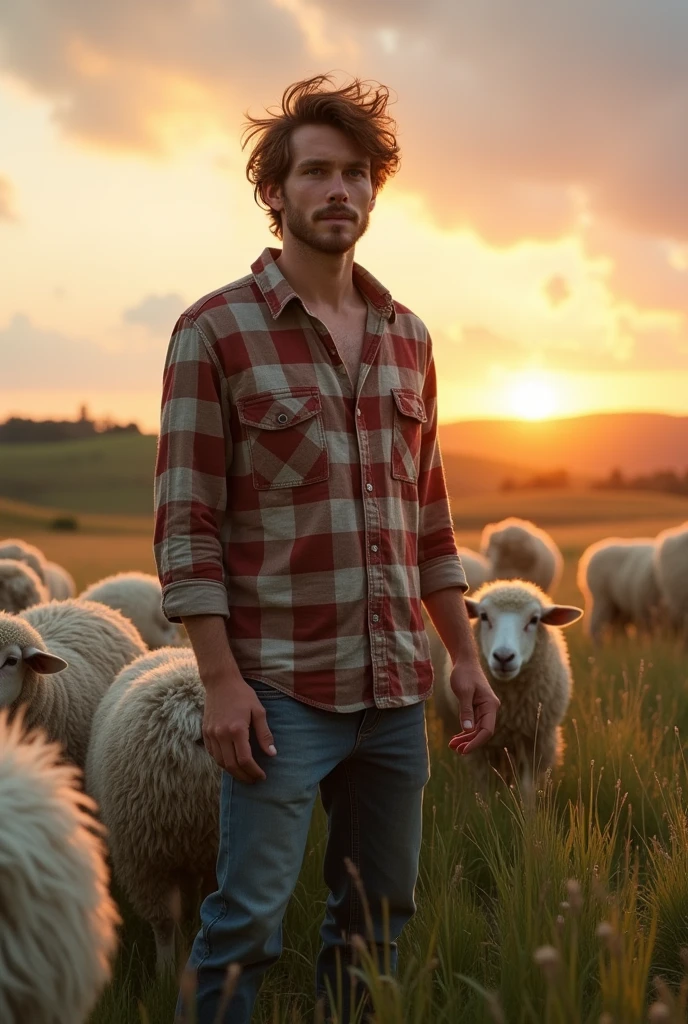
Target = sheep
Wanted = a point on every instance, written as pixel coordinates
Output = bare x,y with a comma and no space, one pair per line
525,658
85,643
20,587
137,595
517,549
475,566
60,582
671,569
157,787
617,578
57,919
22,551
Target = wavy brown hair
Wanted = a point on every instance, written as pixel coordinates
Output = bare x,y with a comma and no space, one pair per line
358,109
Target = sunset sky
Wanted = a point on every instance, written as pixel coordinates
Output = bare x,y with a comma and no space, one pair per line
539,223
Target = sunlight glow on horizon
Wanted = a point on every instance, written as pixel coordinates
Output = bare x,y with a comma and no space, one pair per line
533,397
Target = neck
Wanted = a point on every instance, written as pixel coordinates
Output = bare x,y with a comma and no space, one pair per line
322,279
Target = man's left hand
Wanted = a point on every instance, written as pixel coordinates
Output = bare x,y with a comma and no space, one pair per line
478,705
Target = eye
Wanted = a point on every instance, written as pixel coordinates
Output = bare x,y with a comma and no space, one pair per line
313,170
10,661
357,172
483,617
534,620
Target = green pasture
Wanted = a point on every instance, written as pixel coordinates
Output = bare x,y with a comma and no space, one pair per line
592,882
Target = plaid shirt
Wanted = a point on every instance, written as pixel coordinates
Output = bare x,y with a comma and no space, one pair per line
311,514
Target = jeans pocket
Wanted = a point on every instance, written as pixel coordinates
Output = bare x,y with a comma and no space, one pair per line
264,691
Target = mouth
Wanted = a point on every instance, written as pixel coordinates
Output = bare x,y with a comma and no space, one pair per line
504,676
336,216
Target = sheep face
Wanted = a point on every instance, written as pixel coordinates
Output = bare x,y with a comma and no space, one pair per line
14,662
508,632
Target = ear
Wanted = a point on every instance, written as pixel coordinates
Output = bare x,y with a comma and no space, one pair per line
372,204
272,195
43,662
560,615
472,607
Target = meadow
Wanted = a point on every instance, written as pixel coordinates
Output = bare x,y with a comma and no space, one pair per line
562,912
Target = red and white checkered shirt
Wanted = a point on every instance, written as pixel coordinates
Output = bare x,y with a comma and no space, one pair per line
312,514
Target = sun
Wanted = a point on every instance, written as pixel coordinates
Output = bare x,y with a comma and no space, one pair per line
532,397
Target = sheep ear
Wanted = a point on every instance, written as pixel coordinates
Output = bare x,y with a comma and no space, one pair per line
560,615
43,662
472,607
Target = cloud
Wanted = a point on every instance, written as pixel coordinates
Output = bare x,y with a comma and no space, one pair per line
38,359
557,290
157,313
7,208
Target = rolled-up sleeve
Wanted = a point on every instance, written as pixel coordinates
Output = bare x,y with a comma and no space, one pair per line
194,452
439,564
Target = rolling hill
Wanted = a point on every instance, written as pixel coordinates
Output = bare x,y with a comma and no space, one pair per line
588,445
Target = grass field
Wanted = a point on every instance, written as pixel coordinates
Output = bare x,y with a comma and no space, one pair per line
494,876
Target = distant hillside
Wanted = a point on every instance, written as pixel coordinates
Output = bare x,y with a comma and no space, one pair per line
105,474
588,445
114,474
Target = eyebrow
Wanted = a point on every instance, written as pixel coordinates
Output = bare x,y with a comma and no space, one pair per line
316,162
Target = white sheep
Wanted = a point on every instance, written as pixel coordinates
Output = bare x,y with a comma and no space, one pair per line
20,587
475,566
60,582
671,569
137,595
22,551
157,788
617,578
518,549
85,643
525,658
57,920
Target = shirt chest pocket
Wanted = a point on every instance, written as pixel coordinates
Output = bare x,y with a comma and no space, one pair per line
286,437
409,417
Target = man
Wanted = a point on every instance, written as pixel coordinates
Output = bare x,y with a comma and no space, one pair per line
301,519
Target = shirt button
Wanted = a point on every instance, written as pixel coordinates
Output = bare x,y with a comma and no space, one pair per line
369,487
376,618
282,418
373,547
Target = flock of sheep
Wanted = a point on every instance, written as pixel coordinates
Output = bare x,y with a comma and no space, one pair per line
102,684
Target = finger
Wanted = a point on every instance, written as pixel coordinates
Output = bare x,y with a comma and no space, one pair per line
466,715
244,758
231,764
263,734
482,737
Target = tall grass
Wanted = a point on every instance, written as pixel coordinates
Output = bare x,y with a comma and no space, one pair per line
561,910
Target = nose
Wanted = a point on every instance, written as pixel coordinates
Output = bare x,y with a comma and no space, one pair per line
504,658
338,193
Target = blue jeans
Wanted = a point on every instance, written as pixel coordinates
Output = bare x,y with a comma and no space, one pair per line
371,767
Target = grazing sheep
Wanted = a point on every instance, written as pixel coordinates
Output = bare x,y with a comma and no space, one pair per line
475,566
83,642
525,658
671,569
57,920
20,587
157,788
517,549
60,582
138,596
22,551
617,579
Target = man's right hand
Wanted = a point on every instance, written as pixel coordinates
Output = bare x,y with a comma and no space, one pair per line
231,709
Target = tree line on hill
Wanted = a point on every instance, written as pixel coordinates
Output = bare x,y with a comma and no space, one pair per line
667,481
16,429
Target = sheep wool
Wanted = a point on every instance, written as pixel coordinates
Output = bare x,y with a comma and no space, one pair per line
518,549
60,582
137,595
475,566
57,920
617,578
157,788
22,551
20,587
95,643
671,568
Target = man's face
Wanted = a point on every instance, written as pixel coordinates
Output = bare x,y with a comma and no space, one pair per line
327,196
